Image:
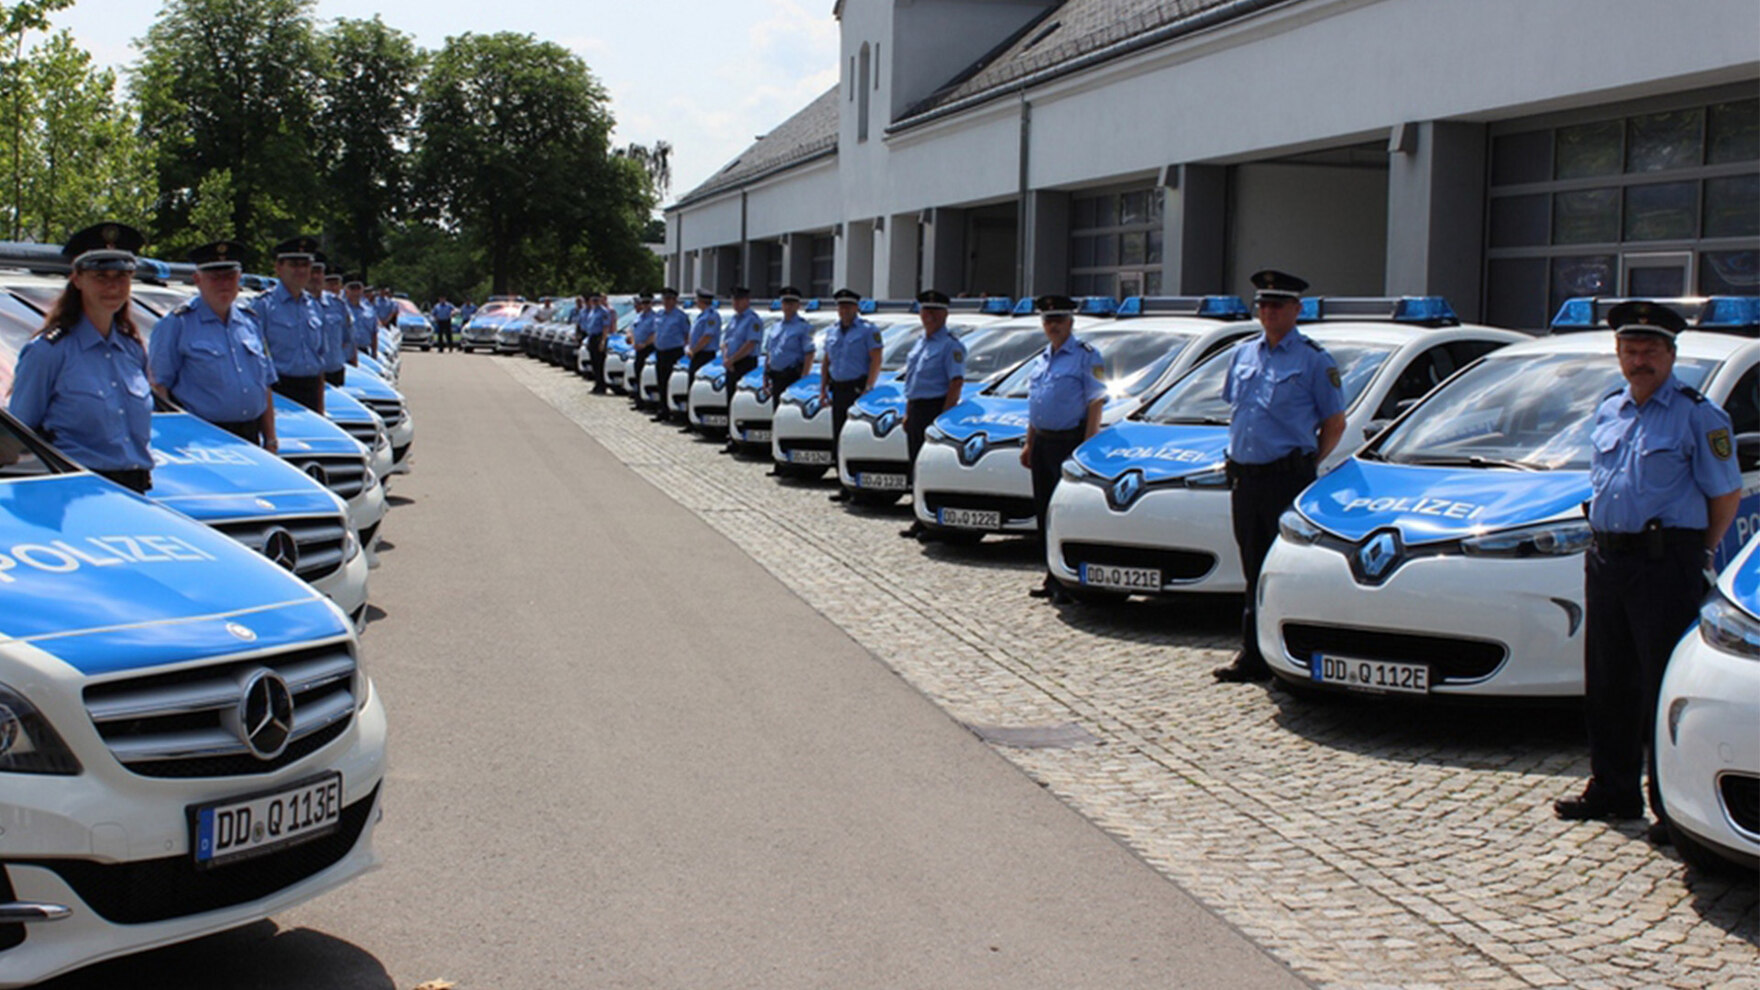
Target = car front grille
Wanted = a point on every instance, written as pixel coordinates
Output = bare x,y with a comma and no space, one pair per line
1174,565
1450,659
1741,800
1013,509
343,474
319,541
363,430
877,467
389,410
804,444
152,890
174,725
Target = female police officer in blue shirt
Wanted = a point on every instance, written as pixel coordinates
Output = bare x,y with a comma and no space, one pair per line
82,380
207,355
1064,400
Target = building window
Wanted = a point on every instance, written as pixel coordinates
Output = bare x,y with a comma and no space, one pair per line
863,73
824,265
1115,243
772,270
1623,206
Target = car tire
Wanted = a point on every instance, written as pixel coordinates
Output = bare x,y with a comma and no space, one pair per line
873,499
424,348
1702,857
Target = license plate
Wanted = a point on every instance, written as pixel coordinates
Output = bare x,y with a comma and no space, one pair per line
809,457
1126,578
884,482
969,518
713,419
251,826
1370,675
757,436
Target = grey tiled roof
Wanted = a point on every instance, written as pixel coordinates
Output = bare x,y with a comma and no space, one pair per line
1067,32
807,135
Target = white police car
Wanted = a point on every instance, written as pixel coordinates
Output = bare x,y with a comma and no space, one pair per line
706,407
625,310
969,478
620,356
413,327
1445,557
494,327
188,741
378,395
1707,745
749,414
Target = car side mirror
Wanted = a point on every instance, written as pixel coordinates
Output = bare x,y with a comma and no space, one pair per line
1748,451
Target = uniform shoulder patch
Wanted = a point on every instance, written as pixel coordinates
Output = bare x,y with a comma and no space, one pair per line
1692,393
1333,376
959,352
1100,371
1720,444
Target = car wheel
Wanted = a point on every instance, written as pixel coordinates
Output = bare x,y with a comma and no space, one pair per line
424,348
860,496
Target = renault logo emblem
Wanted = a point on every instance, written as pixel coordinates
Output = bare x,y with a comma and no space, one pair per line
974,448
1378,556
1126,489
280,547
810,408
317,473
263,719
886,422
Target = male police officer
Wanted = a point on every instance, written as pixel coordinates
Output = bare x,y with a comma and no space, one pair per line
934,374
1664,486
338,329
740,339
595,321
705,337
385,307
292,327
365,321
1064,399
641,338
850,365
671,332
1288,414
789,350
207,356
443,325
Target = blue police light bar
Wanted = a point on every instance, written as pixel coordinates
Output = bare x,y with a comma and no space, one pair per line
988,305
1096,305
1581,313
151,269
1431,311
1216,307
888,306
1024,307
1731,314
41,258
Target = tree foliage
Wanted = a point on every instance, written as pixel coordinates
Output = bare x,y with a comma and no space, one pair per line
365,123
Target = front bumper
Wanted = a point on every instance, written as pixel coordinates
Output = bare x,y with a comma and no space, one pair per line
749,419
996,481
793,434
347,585
1187,534
1707,749
366,514
860,452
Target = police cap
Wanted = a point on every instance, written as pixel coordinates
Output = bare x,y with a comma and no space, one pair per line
1643,318
669,293
1055,305
740,292
218,256
847,296
301,248
705,294
1276,285
789,294
351,281
333,276
104,247
320,260
932,299
644,297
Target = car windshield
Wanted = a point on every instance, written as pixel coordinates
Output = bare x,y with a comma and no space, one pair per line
1197,396
1132,361
1525,411
408,308
19,456
999,349
162,300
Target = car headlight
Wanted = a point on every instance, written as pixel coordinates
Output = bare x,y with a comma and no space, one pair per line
1297,528
1213,478
1074,471
351,544
1728,628
1557,539
933,432
27,743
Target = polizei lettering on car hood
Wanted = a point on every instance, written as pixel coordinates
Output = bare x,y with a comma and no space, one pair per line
1160,452
1001,419
1433,503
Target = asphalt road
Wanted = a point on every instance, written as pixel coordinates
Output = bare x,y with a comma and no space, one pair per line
623,755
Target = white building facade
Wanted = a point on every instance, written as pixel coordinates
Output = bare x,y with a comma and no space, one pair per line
1507,154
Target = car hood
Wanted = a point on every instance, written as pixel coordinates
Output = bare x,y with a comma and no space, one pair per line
1428,504
805,394
340,407
108,581
996,417
1159,451
363,384
205,472
298,429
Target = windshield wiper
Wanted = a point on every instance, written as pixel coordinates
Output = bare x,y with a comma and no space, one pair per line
1472,460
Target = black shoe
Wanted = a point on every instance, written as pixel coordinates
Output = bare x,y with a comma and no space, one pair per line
730,448
600,391
1242,671
912,532
1042,591
686,429
1594,805
1658,835
841,496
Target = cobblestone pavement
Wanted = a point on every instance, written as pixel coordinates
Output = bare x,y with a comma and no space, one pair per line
1364,844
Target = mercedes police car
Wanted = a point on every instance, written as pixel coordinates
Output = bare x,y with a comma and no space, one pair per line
1707,746
188,741
356,420
414,329
620,356
969,476
378,395
495,327
1143,507
1445,557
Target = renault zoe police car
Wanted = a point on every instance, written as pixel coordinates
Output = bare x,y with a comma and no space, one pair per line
748,416
1445,557
872,453
620,355
706,408
188,741
1707,747
969,476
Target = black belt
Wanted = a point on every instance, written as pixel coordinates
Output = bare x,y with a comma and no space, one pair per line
134,479
1073,433
1300,460
786,371
1651,541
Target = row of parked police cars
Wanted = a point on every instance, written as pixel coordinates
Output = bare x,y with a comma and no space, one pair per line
189,740
1438,556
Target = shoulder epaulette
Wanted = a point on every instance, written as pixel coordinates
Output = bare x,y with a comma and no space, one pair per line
54,334
1692,393
181,309
1315,344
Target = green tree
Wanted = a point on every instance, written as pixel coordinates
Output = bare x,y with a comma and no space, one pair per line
210,217
232,85
17,20
515,158
364,125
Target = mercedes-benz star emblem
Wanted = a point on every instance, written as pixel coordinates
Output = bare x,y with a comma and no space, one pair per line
264,718
243,632
280,547
317,473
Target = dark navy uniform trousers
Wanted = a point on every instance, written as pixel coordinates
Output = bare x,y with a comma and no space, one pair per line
919,413
843,395
1260,495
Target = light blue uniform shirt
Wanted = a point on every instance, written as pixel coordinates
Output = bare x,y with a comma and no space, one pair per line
293,330
670,329
338,333
1660,460
790,345
1280,396
706,331
385,308
849,349
1061,384
366,326
217,369
443,311
591,322
934,362
642,331
88,395
745,328
467,311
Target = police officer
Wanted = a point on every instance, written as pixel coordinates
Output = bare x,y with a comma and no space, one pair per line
591,319
466,312
671,332
443,325
82,380
207,356
1064,398
385,306
292,327
1288,414
338,327
1664,488
849,367
641,338
740,339
361,316
789,350
934,374
705,337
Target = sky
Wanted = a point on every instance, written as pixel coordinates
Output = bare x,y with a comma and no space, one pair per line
707,76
